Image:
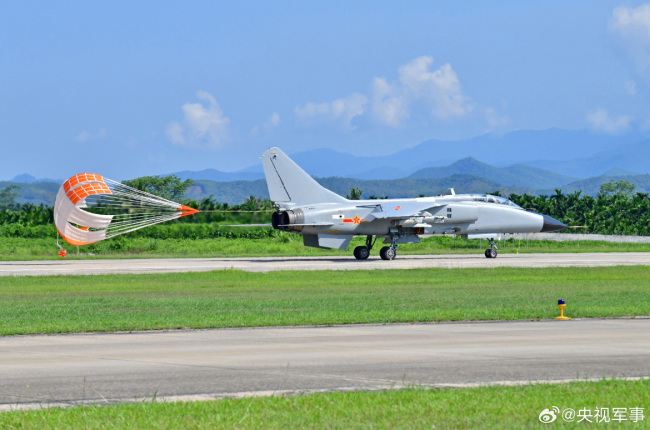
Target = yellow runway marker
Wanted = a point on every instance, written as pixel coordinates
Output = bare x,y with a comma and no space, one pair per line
561,305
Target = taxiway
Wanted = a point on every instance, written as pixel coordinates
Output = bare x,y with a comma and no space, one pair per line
268,264
38,371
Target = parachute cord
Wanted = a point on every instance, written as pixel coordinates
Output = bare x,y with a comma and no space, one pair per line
62,253
264,211
57,241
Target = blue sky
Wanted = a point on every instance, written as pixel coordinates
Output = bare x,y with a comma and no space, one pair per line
127,89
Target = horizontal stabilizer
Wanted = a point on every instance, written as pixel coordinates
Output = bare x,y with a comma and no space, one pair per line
327,241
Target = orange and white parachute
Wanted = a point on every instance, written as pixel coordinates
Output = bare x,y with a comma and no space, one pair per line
133,209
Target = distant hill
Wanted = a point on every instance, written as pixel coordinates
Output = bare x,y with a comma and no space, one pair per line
572,153
237,191
537,161
219,176
35,193
409,187
617,171
544,149
591,186
29,179
631,157
231,192
516,175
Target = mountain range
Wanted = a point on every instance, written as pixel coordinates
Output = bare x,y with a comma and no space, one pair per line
571,153
517,174
29,179
237,191
566,159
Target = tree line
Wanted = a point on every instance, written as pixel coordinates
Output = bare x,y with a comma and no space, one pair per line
616,209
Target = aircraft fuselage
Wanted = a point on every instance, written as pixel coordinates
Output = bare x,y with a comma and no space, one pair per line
327,220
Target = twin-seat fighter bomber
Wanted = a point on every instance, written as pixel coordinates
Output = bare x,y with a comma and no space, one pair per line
327,220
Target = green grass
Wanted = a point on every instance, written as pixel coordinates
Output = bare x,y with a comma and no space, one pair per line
285,244
475,408
235,299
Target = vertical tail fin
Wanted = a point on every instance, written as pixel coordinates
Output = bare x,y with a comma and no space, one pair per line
289,185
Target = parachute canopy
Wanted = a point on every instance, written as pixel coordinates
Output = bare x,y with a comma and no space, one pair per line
90,208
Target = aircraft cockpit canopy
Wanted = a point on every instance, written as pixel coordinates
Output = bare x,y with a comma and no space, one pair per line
487,198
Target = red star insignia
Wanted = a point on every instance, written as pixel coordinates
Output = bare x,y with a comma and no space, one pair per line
356,219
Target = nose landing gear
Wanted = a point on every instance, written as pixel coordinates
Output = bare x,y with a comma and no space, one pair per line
387,253
492,251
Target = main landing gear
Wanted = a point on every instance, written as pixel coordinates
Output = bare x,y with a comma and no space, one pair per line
492,251
386,253
361,252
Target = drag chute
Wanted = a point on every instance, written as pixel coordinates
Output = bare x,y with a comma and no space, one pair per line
90,208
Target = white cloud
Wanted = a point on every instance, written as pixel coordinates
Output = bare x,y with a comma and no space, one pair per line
495,121
157,158
274,120
86,136
272,123
441,88
438,91
632,20
390,104
341,111
203,126
600,120
630,87
633,25
645,125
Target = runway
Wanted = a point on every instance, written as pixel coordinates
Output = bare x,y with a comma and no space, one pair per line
39,371
268,264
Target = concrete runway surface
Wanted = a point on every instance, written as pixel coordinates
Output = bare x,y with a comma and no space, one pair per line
268,264
37,371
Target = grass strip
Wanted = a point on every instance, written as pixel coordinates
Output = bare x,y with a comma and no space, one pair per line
285,244
228,298
474,408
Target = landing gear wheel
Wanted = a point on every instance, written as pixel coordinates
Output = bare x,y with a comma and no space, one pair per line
361,252
492,251
387,253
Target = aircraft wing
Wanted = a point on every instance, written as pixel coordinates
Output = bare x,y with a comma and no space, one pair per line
396,210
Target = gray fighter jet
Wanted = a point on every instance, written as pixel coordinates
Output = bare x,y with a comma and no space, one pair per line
327,220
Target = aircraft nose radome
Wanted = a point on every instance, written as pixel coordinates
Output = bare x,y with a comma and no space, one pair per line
551,224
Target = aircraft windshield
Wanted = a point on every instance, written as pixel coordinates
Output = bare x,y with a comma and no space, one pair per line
487,198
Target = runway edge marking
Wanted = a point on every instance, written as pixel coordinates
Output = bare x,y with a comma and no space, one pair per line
271,393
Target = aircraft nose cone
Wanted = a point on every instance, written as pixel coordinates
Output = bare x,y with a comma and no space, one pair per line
551,224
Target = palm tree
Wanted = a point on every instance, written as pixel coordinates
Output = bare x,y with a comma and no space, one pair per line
355,194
